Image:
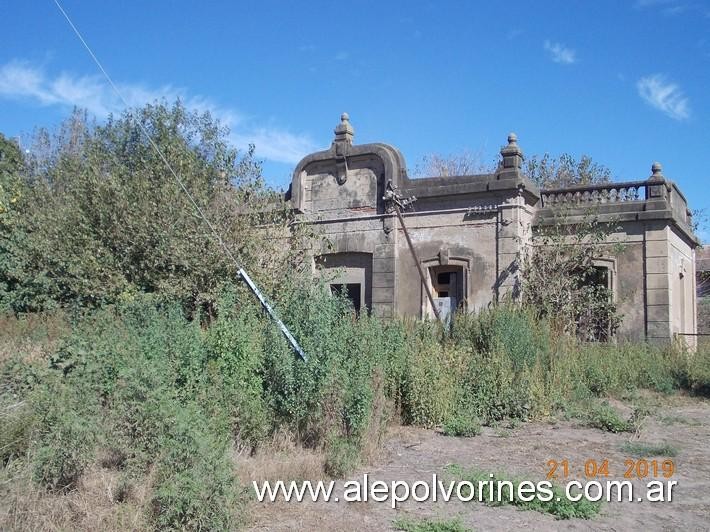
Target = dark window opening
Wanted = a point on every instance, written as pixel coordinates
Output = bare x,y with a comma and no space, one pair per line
595,316
345,272
598,277
703,285
443,294
443,278
350,291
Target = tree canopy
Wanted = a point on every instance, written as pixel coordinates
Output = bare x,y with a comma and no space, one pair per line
565,170
93,215
546,171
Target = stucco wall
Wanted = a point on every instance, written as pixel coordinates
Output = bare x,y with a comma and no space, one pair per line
359,190
629,290
483,224
363,234
455,238
683,316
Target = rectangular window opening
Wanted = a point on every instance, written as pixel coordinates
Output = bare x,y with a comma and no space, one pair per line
447,289
351,291
594,320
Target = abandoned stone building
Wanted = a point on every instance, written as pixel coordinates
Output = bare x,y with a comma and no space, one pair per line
467,231
702,267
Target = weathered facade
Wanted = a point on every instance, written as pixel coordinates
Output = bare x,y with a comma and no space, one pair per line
702,267
468,232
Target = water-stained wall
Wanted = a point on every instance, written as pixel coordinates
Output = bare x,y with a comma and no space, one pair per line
477,227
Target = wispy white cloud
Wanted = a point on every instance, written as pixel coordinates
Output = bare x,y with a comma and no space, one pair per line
559,53
676,9
275,144
670,8
342,56
664,95
23,81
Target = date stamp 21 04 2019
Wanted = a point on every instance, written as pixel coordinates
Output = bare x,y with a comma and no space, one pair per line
631,468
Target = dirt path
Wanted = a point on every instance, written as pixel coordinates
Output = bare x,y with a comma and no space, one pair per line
412,454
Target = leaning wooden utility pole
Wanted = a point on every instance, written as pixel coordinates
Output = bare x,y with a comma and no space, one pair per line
397,203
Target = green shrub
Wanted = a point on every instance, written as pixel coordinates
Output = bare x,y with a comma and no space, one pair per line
616,369
342,456
194,487
597,379
642,450
559,505
64,452
65,433
462,424
494,390
233,370
430,383
18,378
604,417
430,525
697,378
142,409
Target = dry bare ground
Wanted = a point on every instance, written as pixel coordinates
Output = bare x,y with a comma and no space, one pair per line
412,454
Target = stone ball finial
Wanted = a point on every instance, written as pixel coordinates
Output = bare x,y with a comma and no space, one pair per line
512,155
344,131
656,168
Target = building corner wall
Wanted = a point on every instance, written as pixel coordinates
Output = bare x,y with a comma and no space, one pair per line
514,236
384,271
657,281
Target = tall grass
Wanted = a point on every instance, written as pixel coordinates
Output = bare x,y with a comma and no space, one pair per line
163,401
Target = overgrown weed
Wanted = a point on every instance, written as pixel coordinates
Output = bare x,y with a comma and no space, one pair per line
169,405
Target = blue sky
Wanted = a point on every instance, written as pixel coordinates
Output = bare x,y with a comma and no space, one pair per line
625,82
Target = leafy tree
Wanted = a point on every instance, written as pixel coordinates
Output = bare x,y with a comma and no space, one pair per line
562,283
11,193
700,223
103,218
546,171
10,157
565,171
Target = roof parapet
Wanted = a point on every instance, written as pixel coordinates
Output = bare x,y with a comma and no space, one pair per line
654,198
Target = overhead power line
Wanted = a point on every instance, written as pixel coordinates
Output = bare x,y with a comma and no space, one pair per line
240,271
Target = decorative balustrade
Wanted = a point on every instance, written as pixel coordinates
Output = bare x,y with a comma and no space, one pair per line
596,194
